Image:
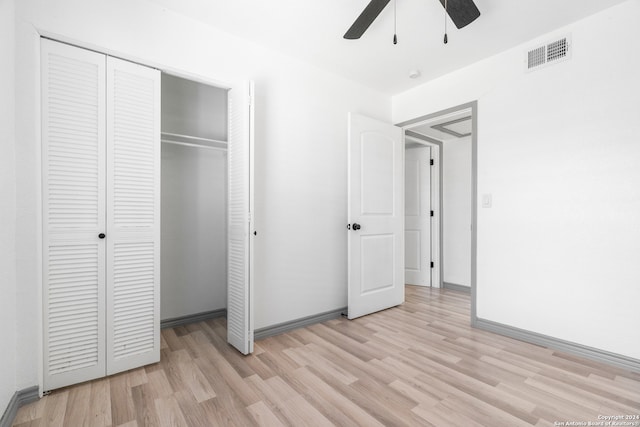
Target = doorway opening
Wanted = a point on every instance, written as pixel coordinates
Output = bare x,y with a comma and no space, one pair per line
208,193
193,201
440,221
101,165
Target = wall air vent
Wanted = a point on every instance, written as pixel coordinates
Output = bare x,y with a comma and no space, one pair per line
549,53
557,50
537,57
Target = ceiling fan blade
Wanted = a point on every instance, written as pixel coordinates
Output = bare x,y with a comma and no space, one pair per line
368,15
462,12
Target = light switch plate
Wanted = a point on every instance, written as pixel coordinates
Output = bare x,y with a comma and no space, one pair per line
486,200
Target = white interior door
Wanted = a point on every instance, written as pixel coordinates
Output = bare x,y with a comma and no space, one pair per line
240,218
73,165
376,216
417,225
133,215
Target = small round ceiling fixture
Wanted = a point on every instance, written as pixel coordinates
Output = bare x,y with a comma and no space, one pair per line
414,74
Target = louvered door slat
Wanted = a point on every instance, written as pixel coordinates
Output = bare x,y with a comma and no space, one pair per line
133,215
73,147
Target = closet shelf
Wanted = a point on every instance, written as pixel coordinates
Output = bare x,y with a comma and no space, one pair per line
193,141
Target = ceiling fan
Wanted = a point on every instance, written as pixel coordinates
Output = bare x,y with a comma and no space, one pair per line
462,13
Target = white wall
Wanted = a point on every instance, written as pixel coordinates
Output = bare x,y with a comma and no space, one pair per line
194,231
8,284
300,137
558,149
456,216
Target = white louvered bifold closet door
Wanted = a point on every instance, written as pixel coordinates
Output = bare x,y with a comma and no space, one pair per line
240,219
73,165
133,215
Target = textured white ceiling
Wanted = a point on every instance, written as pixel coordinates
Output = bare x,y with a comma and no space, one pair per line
312,31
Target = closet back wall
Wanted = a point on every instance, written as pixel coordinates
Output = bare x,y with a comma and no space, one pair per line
192,108
194,183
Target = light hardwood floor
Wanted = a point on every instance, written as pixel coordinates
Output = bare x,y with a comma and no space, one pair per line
417,364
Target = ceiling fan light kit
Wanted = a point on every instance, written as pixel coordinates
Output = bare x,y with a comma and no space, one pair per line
461,12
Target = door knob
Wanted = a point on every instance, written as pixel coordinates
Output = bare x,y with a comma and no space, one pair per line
356,226
102,235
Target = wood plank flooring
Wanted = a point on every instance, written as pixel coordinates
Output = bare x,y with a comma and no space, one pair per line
417,364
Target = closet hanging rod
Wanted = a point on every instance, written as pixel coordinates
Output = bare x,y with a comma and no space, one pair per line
188,144
198,138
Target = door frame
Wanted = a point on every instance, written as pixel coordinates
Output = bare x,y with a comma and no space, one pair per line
473,107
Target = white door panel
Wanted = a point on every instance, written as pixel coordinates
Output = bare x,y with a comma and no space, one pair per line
418,216
412,254
73,201
377,163
133,215
240,218
377,261
376,205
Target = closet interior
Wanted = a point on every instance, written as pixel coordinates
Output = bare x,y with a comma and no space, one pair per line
193,201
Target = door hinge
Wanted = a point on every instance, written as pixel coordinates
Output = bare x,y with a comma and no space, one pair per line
431,162
431,264
431,213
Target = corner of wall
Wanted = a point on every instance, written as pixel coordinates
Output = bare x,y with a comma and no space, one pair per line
27,225
8,287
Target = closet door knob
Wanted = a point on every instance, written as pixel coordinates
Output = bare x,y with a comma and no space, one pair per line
102,235
356,226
